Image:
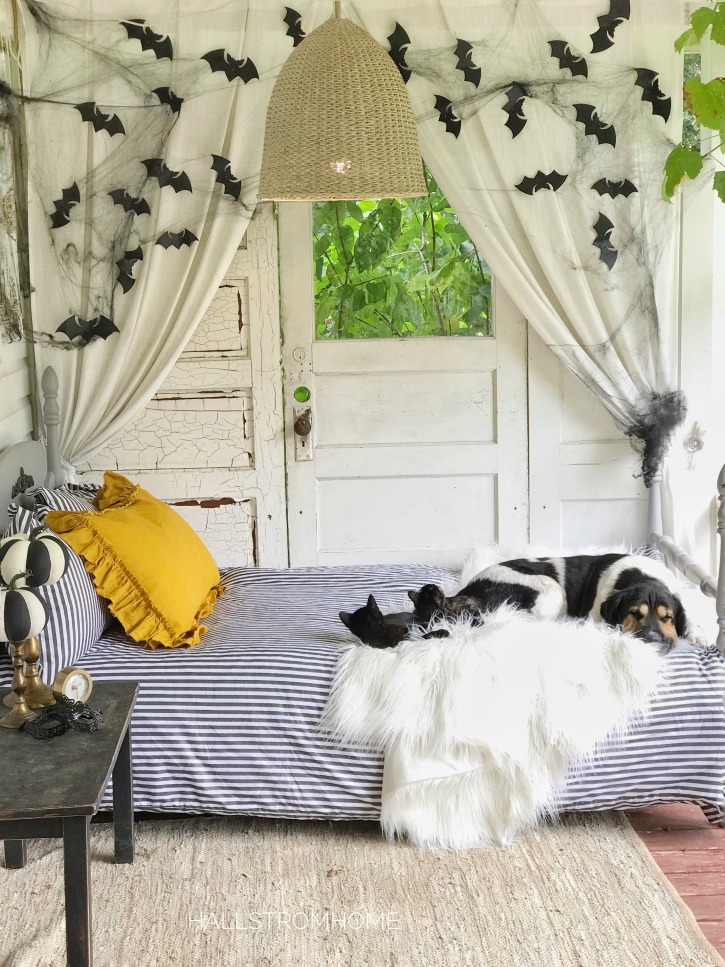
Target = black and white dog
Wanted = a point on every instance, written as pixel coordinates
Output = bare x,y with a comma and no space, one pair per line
628,591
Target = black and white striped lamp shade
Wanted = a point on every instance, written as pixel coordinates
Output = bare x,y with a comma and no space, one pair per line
44,556
22,615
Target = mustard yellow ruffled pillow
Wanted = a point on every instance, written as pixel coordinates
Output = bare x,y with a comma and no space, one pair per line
155,571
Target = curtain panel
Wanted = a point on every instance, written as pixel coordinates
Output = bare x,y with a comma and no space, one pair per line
545,123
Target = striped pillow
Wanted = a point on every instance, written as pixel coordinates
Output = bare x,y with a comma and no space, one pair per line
76,497
77,616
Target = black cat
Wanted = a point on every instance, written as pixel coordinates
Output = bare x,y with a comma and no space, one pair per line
380,630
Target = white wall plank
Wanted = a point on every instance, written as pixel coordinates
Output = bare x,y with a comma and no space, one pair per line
16,418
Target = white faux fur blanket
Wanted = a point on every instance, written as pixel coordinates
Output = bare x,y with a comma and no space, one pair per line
479,729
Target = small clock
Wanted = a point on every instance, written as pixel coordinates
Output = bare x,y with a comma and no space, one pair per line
73,683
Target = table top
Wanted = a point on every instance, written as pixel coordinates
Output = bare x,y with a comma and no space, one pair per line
67,775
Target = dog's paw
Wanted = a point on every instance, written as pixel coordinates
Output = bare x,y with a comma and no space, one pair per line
696,635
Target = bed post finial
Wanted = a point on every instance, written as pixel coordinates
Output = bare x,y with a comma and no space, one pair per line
720,600
654,510
51,419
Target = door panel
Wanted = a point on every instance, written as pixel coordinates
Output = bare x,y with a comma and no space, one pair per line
586,485
404,408
413,519
418,449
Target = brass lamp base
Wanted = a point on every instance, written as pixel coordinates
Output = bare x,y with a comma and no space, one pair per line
37,693
20,712
14,719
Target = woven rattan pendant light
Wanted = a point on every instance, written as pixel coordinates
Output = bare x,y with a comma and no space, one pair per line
339,123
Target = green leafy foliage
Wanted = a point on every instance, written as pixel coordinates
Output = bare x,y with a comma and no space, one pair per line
681,164
704,108
718,183
701,20
707,101
397,267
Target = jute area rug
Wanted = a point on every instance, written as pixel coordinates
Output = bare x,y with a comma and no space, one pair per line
216,891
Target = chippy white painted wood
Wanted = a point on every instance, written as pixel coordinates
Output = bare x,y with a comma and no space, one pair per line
419,447
211,441
16,416
583,483
228,528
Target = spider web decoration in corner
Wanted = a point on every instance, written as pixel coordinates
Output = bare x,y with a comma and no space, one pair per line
115,161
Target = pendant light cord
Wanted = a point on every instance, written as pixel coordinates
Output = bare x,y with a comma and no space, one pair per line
337,6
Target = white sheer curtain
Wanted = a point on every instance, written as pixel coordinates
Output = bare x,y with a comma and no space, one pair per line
77,53
611,319
607,310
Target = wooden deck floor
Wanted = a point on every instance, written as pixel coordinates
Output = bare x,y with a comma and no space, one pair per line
691,853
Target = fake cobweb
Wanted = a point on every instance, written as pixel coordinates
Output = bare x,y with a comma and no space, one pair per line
591,130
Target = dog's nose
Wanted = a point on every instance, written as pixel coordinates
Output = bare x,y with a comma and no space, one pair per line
651,635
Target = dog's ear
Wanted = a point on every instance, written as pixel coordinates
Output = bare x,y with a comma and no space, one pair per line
373,607
680,618
413,595
611,609
346,618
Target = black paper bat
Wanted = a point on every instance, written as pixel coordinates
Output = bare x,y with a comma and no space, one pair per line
587,115
530,185
87,329
224,176
160,44
70,197
139,206
515,122
220,60
607,252
603,37
614,188
125,268
294,26
157,168
90,111
176,239
167,96
568,59
399,42
649,81
464,53
447,115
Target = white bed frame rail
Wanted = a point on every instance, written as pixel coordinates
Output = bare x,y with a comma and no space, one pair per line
681,561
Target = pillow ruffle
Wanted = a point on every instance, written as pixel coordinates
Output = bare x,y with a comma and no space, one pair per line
128,601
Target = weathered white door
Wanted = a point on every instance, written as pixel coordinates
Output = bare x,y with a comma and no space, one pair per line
417,449
211,441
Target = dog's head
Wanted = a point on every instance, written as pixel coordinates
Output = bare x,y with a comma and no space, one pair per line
648,610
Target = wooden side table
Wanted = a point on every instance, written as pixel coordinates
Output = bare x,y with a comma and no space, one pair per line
53,788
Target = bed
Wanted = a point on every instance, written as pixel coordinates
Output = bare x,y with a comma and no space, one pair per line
230,726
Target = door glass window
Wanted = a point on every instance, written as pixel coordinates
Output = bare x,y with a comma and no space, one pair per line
397,267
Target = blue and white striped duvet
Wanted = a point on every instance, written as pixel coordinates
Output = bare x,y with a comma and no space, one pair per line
229,726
